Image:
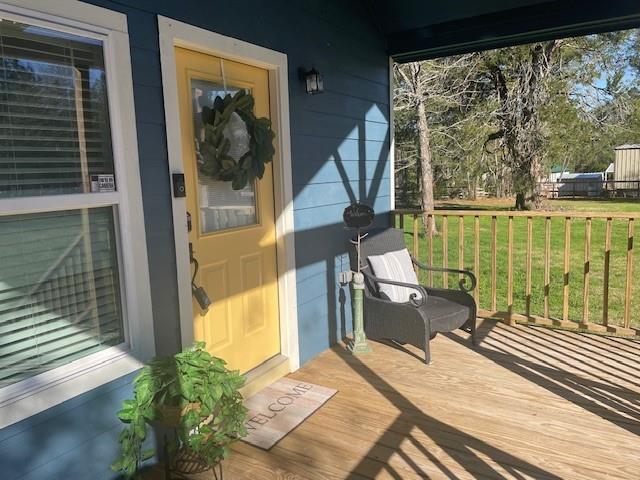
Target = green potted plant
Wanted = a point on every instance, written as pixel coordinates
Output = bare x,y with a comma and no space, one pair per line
192,392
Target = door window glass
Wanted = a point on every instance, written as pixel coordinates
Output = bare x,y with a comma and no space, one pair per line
220,206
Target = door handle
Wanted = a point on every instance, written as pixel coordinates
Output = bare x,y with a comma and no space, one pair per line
198,292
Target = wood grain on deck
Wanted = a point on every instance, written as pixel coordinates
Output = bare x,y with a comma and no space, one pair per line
527,403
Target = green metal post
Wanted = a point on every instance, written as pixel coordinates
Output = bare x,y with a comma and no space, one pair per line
359,345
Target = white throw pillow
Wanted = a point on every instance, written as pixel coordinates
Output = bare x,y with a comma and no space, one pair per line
396,266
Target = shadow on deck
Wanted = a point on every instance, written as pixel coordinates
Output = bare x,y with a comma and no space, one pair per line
526,403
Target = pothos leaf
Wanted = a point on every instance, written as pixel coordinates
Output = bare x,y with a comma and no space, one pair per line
126,415
147,454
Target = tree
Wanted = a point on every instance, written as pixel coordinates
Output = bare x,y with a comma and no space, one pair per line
434,88
499,119
591,103
520,77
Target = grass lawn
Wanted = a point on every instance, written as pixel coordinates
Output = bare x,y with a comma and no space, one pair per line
617,268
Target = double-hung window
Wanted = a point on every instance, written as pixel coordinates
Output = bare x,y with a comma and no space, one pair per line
73,288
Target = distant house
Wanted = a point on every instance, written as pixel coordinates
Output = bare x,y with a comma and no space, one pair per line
556,173
580,184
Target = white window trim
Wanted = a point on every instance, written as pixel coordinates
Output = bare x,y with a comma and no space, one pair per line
33,395
172,34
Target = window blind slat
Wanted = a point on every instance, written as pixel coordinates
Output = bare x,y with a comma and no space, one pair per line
68,108
26,85
49,118
30,130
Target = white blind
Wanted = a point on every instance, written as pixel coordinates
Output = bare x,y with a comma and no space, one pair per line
59,291
54,119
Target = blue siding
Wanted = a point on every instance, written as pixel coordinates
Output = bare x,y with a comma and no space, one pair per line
76,439
340,144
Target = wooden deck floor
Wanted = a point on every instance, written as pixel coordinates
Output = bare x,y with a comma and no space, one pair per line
526,403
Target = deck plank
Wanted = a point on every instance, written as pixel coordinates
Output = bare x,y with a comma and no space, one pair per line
527,403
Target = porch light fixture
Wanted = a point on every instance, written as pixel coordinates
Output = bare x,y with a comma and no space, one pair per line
313,81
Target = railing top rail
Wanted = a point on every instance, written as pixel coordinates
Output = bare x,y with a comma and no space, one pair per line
525,214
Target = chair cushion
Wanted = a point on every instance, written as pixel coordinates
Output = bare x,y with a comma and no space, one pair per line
396,266
447,310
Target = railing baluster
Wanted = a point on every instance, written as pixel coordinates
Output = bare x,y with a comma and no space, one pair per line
510,270
402,221
586,273
528,267
607,265
460,245
565,286
476,258
494,242
430,273
445,250
547,264
416,242
628,291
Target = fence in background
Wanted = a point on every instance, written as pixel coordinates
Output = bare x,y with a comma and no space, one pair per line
577,188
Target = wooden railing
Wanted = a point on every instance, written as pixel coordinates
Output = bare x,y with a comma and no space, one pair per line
535,249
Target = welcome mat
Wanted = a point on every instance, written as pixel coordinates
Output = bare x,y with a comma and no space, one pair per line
281,407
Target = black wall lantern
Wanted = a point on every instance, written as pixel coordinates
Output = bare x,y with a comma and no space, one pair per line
313,81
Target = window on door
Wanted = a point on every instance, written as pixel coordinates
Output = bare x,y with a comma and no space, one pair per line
221,207
60,297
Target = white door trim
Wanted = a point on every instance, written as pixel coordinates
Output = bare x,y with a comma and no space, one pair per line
177,34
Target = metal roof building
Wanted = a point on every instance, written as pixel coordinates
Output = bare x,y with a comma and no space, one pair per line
627,162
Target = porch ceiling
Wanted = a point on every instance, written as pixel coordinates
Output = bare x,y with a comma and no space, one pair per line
418,29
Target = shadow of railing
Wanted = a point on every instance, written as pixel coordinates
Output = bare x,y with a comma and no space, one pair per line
577,374
477,457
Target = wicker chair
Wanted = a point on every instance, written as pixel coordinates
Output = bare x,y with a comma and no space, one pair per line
417,321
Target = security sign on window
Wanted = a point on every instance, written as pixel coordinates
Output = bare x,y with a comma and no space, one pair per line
103,183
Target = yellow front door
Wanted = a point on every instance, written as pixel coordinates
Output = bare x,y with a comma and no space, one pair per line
232,232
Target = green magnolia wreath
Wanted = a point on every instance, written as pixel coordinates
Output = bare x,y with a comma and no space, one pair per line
216,161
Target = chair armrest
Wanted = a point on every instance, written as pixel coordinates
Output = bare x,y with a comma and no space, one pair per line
463,281
413,298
